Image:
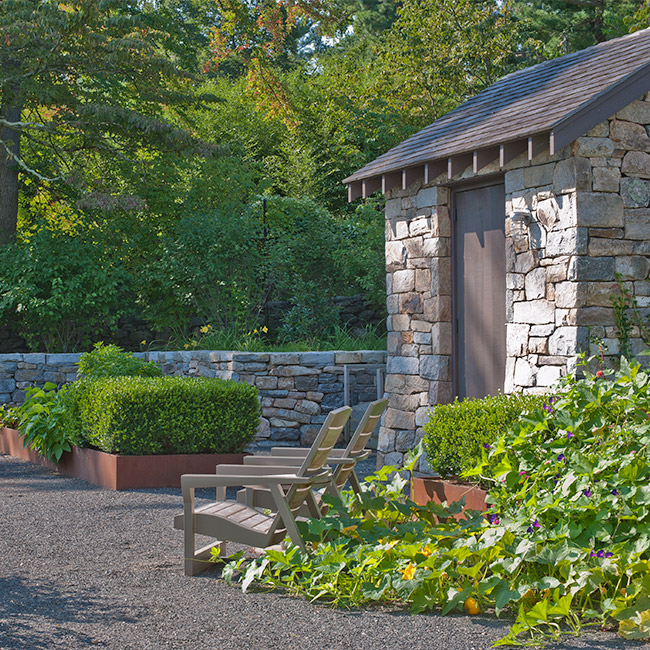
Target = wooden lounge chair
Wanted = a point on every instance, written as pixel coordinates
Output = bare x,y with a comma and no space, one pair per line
345,461
289,488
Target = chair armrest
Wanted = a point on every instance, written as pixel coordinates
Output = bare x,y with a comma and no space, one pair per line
288,461
254,470
191,481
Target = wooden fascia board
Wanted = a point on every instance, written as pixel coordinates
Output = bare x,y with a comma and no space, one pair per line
599,108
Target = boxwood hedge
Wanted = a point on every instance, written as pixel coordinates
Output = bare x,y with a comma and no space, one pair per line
456,434
162,415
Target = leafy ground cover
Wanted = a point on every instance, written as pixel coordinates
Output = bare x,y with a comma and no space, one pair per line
564,544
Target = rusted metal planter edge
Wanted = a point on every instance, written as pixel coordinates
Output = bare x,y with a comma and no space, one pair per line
427,489
117,472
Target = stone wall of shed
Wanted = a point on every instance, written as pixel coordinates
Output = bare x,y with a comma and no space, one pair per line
591,220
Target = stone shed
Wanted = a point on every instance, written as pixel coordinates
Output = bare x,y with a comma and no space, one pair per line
507,222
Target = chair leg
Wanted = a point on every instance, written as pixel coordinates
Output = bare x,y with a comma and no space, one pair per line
202,559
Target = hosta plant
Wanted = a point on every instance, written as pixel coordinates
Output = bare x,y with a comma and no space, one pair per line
566,541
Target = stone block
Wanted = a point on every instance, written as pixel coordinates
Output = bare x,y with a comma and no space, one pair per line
429,196
308,407
590,147
403,281
441,392
285,424
638,111
286,383
627,135
435,367
264,430
515,281
404,402
308,434
393,459
73,359
306,383
637,224
284,358
535,284
606,179
414,247
284,403
397,323
437,309
587,317
404,441
420,226
599,246
517,339
572,174
524,373
403,365
396,419
293,371
395,255
599,131
441,338
548,375
422,338
583,268
7,386
538,175
317,358
441,276
26,375
393,208
525,262
534,312
422,280
557,272
386,439
285,433
599,209
435,247
599,294
572,241
411,303
37,358
635,193
514,180
422,416
538,345
563,341
632,268
405,384
637,164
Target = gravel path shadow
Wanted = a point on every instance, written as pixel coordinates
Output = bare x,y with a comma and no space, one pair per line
86,567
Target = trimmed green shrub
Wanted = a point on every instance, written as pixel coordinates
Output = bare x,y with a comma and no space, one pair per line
458,434
162,415
112,361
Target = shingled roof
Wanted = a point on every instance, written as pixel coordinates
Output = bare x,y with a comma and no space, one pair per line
546,106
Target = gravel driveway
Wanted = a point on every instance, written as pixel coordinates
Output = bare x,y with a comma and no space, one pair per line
81,566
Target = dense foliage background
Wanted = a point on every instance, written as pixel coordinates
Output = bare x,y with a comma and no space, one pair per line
181,161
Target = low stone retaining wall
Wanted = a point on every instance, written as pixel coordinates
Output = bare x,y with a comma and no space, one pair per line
297,389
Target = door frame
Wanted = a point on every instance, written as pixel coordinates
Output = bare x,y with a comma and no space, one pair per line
461,186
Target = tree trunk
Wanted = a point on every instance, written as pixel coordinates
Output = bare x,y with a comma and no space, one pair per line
9,175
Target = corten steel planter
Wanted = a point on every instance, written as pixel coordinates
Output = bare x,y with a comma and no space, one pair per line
439,490
117,472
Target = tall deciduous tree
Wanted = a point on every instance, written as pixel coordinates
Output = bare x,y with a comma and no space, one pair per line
86,76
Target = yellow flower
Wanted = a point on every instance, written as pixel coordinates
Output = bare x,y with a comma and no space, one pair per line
187,345
265,329
426,551
205,329
349,530
255,331
143,342
409,572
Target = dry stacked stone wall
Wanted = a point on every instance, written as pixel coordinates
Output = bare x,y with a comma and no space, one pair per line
590,220
297,389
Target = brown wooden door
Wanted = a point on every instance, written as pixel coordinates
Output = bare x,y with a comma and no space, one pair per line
480,291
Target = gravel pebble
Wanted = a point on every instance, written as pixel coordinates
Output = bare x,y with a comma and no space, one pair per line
87,567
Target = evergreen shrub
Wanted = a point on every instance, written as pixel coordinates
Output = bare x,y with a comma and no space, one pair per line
457,435
162,415
111,361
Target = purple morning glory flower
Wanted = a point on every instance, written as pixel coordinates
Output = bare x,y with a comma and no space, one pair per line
548,408
608,554
592,554
529,529
561,457
570,434
486,446
494,519
615,492
600,554
536,524
522,473
587,492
